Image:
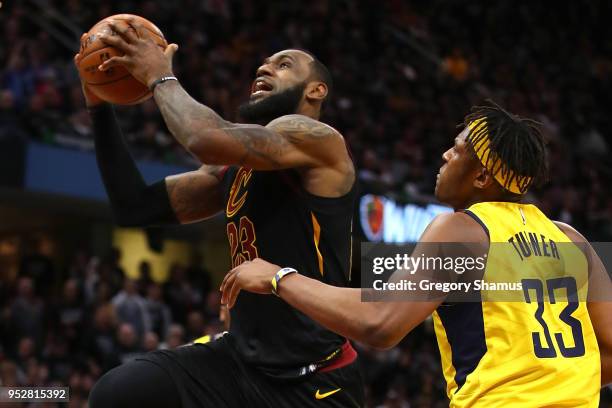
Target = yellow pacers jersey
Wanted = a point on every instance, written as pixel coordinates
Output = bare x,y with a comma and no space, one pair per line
536,348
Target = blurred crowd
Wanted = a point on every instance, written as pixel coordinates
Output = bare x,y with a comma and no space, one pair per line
69,332
66,325
405,75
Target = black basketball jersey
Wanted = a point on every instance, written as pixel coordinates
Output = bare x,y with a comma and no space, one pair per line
269,215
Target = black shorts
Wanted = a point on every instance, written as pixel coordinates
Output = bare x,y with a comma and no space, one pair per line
213,375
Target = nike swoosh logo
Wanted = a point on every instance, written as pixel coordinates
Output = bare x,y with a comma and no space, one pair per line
319,396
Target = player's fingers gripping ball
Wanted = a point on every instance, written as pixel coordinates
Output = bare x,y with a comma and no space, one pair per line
115,84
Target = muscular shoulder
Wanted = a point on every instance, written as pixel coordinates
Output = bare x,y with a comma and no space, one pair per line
570,231
301,128
454,227
323,145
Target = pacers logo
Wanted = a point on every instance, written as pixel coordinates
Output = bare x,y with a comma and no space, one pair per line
238,192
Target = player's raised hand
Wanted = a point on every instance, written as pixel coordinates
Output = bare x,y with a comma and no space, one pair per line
253,276
143,58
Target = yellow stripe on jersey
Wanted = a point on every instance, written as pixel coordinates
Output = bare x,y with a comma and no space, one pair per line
528,352
317,237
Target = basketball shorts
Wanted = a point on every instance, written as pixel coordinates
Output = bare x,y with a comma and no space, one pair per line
213,375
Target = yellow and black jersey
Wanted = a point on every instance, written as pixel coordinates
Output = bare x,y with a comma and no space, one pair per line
537,350
270,215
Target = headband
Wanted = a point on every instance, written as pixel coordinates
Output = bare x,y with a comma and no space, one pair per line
479,139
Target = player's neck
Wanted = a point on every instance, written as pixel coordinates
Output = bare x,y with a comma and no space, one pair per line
309,110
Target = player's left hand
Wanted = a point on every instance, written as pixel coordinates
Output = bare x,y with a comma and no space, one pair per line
253,276
143,58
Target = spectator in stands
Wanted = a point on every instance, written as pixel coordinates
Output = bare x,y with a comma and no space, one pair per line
128,344
180,294
150,342
131,308
144,278
99,340
158,312
175,337
26,312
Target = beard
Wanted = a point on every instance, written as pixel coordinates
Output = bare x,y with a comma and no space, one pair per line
263,111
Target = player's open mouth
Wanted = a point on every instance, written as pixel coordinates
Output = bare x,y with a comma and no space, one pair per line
260,87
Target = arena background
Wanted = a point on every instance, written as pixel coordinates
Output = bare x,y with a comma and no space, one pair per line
405,75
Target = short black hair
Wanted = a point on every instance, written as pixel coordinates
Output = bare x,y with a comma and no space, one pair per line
516,141
320,72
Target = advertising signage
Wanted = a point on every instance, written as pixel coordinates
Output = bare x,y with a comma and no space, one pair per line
384,220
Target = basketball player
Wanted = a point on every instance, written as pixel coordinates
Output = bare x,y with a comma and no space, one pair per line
286,184
522,353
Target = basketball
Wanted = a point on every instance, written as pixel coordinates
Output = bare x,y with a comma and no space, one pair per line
115,85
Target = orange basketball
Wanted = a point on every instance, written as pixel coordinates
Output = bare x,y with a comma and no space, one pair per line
115,85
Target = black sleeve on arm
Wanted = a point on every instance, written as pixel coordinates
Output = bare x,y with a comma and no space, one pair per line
133,202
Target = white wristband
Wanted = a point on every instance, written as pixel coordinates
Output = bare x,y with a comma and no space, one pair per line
280,275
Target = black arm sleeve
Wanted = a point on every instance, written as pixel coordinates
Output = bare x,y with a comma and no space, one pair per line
133,202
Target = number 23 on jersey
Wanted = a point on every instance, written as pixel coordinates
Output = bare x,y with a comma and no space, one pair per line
242,239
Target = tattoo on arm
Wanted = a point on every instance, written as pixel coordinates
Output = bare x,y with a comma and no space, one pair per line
259,143
196,195
189,120
183,114
271,142
298,128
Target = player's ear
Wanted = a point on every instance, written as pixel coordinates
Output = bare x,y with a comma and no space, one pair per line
316,91
483,178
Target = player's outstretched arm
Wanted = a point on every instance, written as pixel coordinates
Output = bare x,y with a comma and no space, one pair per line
288,142
183,198
379,324
600,300
341,310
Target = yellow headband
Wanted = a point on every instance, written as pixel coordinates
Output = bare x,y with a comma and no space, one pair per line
480,141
